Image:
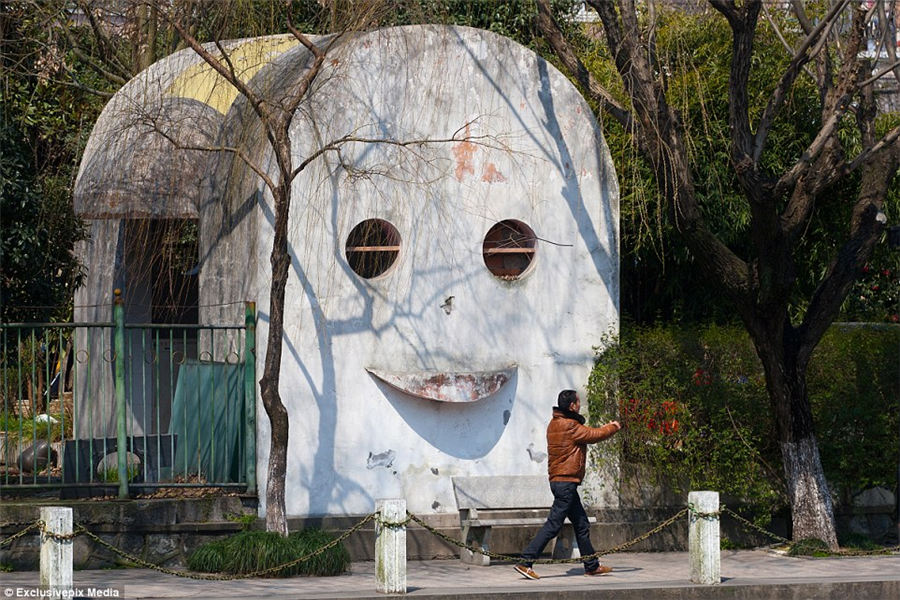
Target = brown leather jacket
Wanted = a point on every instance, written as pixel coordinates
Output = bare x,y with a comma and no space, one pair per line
567,440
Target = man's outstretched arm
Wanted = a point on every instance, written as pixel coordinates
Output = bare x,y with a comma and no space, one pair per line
590,435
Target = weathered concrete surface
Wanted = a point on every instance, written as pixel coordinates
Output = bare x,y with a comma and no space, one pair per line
56,553
504,136
704,537
747,575
526,148
390,547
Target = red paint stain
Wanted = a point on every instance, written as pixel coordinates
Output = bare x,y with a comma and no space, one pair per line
491,174
463,152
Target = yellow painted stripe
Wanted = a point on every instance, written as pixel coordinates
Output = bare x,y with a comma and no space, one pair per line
202,82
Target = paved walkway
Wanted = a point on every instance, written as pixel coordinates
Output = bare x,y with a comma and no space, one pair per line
746,574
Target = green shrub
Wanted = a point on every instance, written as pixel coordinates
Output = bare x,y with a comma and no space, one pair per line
253,551
693,406
696,412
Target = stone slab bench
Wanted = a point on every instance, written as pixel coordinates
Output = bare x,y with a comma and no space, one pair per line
485,502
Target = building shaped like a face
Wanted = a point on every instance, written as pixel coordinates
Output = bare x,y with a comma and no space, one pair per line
442,291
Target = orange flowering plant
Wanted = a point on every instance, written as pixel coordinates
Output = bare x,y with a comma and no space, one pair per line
685,402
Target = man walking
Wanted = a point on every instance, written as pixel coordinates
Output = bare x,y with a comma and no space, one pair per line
567,440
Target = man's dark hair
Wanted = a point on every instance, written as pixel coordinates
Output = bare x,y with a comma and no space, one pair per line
566,399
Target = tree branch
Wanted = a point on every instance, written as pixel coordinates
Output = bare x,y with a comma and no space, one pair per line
784,42
865,231
879,74
227,72
866,224
743,29
335,145
311,73
113,77
549,28
800,58
660,139
268,181
834,106
99,34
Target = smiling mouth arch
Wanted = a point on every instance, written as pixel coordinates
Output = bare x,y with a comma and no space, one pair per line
447,387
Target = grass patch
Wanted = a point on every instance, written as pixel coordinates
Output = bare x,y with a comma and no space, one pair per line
252,551
809,547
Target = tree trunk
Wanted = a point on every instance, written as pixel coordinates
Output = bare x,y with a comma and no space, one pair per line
812,513
278,417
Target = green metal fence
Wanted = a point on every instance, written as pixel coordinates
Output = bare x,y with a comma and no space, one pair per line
120,409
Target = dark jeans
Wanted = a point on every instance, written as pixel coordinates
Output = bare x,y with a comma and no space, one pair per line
566,503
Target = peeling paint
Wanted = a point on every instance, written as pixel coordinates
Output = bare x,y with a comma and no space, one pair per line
536,455
383,459
435,505
463,152
448,387
490,174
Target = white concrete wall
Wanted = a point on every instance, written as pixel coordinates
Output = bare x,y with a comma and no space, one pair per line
352,438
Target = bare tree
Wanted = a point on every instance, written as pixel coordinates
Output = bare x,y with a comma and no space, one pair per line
761,286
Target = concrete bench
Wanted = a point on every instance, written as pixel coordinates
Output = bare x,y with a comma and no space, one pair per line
505,501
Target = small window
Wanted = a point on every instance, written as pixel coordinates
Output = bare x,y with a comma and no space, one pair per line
509,248
372,247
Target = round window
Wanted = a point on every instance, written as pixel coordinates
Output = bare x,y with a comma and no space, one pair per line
372,247
509,248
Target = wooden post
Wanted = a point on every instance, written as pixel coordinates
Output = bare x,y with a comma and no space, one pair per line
56,554
390,546
703,537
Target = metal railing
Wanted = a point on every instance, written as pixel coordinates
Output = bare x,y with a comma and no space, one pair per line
115,408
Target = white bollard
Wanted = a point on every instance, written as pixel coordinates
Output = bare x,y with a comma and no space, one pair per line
56,554
390,546
703,537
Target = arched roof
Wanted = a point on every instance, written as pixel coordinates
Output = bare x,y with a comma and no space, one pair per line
150,154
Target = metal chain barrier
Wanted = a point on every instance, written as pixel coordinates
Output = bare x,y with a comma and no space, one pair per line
81,530
394,525
411,518
21,533
260,573
60,537
702,515
749,525
495,555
